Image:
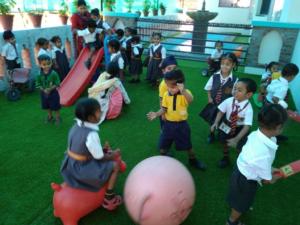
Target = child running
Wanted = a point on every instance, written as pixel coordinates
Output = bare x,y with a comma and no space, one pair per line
86,166
174,107
254,164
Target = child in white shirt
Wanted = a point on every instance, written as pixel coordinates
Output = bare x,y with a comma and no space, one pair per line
9,51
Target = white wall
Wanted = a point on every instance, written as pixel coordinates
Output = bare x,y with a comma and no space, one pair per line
270,48
290,11
295,85
228,15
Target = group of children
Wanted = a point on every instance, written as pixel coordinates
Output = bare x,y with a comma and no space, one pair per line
228,112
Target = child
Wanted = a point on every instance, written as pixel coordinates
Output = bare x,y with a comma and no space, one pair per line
214,59
238,112
43,45
95,15
9,51
277,90
174,108
62,62
86,166
169,64
157,54
47,81
136,65
116,57
266,78
219,87
126,45
91,40
254,164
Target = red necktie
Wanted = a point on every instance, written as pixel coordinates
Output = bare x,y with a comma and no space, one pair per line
233,119
218,97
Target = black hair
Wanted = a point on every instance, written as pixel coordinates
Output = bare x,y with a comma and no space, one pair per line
272,115
54,39
175,75
135,39
112,69
91,23
8,34
81,3
290,69
85,108
114,44
95,12
120,32
44,57
133,31
271,64
249,83
42,41
231,56
156,34
218,42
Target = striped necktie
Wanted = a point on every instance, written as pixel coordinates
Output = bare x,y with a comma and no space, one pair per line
233,119
218,97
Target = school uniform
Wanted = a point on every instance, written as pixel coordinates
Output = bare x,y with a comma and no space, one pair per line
126,45
10,53
254,164
91,40
102,25
46,52
214,60
162,89
278,88
157,54
136,65
175,128
237,115
62,62
220,88
90,174
52,100
117,60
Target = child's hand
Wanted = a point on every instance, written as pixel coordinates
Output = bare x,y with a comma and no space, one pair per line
213,127
232,142
180,87
210,100
151,115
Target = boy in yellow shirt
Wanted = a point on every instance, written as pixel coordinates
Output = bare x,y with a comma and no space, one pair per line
174,108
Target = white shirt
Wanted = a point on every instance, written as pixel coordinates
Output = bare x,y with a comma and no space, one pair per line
223,80
46,52
163,50
257,156
87,36
104,24
136,48
125,40
216,54
122,40
245,113
278,88
120,60
93,143
9,51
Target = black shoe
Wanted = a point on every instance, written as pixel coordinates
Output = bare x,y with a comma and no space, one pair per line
197,164
88,64
224,162
211,138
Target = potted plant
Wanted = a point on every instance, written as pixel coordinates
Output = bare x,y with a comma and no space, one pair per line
110,4
155,8
139,13
6,19
35,17
63,12
129,4
162,8
147,6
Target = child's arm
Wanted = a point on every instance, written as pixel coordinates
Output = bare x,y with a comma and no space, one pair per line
217,121
153,115
210,100
186,94
234,141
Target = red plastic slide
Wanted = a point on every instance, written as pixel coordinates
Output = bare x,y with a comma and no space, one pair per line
78,77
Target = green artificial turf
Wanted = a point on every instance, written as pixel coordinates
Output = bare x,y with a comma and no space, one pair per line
31,154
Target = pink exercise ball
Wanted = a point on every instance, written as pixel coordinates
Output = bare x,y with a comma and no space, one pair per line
159,191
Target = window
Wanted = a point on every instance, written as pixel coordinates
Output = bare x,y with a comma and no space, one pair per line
265,7
235,3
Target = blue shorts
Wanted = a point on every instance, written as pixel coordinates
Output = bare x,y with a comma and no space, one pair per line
51,101
178,132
